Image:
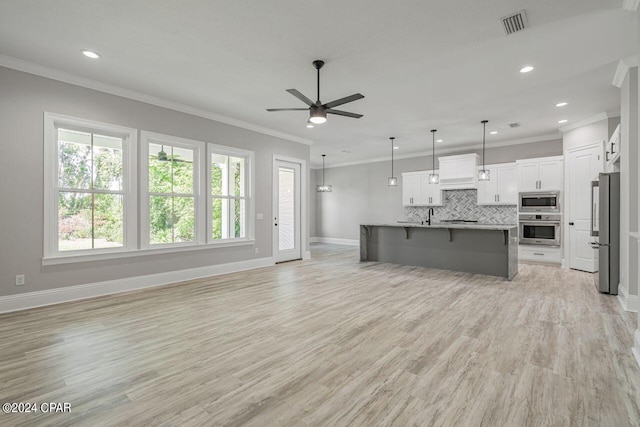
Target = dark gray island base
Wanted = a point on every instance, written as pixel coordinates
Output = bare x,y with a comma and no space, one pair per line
480,249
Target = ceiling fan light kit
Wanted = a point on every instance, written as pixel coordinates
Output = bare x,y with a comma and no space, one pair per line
317,110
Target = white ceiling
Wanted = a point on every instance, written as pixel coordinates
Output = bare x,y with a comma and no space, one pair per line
420,64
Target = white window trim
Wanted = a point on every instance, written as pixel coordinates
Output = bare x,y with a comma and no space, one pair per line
129,158
249,195
199,166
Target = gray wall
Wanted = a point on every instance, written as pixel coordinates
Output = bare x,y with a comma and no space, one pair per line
360,192
23,99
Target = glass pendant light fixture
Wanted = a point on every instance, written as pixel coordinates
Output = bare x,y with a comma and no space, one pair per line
393,181
323,188
434,178
483,174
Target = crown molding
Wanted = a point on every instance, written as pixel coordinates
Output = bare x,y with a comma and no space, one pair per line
631,5
461,149
62,76
593,119
623,68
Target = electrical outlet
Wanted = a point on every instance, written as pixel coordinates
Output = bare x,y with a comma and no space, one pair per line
20,280
259,216
257,250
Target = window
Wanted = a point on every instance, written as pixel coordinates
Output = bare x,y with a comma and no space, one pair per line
228,185
192,194
172,212
89,193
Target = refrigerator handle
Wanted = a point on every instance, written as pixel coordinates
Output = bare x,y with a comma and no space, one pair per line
594,185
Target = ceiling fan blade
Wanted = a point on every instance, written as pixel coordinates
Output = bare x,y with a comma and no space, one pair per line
344,100
287,109
344,113
300,96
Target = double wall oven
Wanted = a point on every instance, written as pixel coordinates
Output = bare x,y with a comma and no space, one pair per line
540,219
536,229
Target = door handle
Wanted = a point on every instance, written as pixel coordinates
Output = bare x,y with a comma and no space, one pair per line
606,155
571,223
613,144
498,198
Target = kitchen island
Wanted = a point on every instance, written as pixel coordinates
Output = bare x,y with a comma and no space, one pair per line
490,249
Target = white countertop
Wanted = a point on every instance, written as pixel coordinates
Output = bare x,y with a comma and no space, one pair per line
458,226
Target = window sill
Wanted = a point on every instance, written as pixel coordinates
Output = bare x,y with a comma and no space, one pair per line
74,258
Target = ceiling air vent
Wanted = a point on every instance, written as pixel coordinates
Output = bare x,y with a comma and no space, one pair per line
514,125
514,22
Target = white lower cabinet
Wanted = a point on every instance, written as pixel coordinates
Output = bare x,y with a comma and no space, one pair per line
501,189
417,191
540,253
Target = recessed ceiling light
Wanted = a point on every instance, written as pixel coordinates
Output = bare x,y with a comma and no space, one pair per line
561,104
562,121
90,54
395,148
309,125
526,69
494,132
439,140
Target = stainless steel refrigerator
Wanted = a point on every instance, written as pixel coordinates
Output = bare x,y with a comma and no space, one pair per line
605,224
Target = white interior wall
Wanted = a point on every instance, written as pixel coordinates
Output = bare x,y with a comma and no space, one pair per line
25,97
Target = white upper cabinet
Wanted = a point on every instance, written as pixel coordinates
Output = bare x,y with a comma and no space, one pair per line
458,172
416,190
542,174
501,189
612,152
411,189
431,193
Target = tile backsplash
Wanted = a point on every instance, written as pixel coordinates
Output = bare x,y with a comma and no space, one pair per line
463,204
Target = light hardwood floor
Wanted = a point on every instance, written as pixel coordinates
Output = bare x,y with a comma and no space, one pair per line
331,341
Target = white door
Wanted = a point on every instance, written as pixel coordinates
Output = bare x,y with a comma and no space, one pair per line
550,175
583,167
286,218
507,186
527,177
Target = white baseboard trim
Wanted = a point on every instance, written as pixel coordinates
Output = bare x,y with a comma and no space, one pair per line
78,292
636,347
346,242
628,302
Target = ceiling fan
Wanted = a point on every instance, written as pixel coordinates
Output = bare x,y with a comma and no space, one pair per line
317,110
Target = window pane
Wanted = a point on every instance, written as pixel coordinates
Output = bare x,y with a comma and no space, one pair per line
74,159
237,171
182,162
108,221
160,219
219,175
159,169
74,221
184,219
238,209
220,219
107,161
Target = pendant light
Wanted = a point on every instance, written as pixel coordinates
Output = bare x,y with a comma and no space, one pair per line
162,156
393,181
483,174
434,178
323,188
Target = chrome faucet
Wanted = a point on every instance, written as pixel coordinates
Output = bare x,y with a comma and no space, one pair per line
430,212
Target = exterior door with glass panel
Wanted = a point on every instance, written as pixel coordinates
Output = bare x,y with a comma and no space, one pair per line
286,219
